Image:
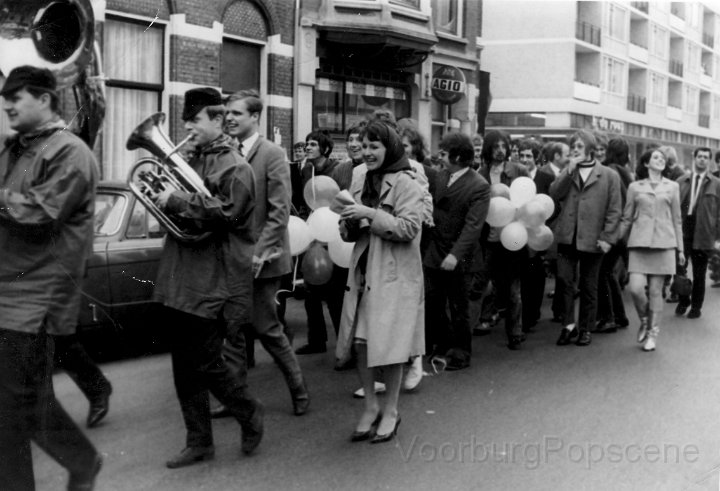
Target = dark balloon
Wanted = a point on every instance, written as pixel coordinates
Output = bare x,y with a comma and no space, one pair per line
317,266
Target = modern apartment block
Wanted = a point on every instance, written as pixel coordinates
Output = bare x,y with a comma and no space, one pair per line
649,71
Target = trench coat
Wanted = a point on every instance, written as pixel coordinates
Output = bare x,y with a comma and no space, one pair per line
212,278
388,303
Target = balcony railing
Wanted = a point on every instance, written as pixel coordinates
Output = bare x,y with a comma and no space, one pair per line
708,40
676,67
636,103
587,32
641,6
704,120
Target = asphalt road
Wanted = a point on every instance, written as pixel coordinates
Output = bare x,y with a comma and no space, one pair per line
603,417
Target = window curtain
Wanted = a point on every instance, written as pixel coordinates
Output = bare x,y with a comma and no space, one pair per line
133,55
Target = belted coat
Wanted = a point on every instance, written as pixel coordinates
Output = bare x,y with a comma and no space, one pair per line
388,301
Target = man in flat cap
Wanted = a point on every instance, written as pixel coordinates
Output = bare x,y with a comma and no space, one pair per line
206,286
47,200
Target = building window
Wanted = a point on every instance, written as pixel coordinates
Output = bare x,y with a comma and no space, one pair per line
658,86
659,41
448,16
133,54
691,99
617,22
237,54
340,104
413,4
614,79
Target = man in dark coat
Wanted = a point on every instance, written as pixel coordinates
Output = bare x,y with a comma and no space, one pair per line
586,228
505,267
700,208
206,286
453,253
47,202
533,278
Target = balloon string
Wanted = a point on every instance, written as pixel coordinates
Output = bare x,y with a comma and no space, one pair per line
313,184
294,280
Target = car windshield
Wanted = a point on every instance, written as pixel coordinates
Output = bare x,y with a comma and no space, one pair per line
108,213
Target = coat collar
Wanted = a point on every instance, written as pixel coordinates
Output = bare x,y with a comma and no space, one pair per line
592,178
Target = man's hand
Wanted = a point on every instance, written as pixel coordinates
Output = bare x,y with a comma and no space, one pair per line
681,258
574,161
449,263
161,199
605,246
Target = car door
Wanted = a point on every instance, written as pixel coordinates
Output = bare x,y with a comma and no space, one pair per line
132,264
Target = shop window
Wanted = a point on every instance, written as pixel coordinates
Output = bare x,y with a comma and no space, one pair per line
341,104
240,67
133,55
448,16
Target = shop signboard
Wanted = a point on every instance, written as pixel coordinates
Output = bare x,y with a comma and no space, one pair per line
448,84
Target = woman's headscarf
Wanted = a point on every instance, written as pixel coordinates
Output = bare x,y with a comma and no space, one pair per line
395,160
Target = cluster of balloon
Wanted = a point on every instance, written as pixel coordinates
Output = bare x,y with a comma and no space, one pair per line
321,228
521,214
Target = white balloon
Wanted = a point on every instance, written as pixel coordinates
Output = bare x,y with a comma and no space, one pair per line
323,225
531,214
547,203
514,236
540,239
300,236
501,212
522,190
341,252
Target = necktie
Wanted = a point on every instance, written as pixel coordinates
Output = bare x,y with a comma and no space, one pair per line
695,194
240,149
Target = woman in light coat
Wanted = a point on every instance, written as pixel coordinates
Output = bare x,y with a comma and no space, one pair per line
654,224
383,309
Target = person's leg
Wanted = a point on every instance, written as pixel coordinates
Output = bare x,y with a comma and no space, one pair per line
588,280
699,269
269,331
606,313
565,283
52,428
390,417
438,332
367,379
458,286
71,356
188,355
335,295
317,330
655,286
18,400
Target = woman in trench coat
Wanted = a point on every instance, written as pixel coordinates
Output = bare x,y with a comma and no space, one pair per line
383,309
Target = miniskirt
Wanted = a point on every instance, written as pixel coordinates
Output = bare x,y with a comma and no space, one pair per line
651,261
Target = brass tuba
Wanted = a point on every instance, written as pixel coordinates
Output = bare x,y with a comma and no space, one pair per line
58,35
148,176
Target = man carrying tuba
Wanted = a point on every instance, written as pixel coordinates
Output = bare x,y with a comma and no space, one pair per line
206,285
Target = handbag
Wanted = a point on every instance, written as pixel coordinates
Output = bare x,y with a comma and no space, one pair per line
681,286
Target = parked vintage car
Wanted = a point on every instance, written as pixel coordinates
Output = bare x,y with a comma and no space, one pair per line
116,312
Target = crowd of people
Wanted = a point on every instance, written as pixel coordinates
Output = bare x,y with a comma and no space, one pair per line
426,273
